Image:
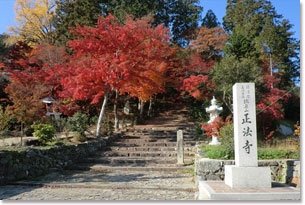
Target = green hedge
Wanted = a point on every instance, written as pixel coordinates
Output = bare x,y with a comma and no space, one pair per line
223,152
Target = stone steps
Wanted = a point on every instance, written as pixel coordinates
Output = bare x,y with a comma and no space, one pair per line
152,144
131,167
135,160
174,134
147,149
123,153
146,140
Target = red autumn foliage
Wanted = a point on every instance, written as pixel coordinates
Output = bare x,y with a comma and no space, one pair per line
213,129
131,58
198,86
16,58
270,108
193,77
32,80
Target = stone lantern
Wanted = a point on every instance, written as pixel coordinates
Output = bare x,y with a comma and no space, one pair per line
50,107
214,111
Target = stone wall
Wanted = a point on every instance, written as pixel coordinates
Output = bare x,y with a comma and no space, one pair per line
34,162
282,170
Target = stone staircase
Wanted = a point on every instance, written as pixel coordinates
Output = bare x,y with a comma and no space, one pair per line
140,165
144,149
148,147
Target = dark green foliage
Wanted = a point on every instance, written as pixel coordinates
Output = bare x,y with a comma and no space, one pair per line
277,154
217,152
263,35
70,13
79,137
93,120
221,152
210,20
181,16
79,123
107,126
60,125
230,71
3,48
240,45
227,137
44,132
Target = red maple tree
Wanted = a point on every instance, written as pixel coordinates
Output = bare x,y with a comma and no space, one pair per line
111,57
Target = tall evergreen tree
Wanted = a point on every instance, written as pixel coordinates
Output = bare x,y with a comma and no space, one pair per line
210,20
70,13
258,32
181,16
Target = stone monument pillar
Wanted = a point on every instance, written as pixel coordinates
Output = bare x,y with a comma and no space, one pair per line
180,149
214,111
245,173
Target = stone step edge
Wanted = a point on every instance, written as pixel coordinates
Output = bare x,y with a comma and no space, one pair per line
77,186
144,152
98,168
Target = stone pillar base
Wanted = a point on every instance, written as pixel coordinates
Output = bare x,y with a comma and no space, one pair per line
247,177
214,141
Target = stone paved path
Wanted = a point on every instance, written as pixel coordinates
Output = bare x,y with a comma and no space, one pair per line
140,166
115,185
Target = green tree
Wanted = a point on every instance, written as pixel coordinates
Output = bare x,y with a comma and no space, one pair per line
229,71
3,48
70,13
181,16
210,20
263,35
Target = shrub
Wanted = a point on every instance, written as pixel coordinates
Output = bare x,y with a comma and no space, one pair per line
227,139
79,123
217,152
107,126
4,119
93,120
60,125
220,152
44,132
277,154
79,137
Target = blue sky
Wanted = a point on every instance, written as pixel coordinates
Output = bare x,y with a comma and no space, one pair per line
290,9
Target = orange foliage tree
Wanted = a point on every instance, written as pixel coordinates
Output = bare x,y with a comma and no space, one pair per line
209,42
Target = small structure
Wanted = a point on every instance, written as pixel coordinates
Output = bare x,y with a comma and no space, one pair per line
214,111
50,107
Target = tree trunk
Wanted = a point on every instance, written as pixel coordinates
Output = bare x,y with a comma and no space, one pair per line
271,70
149,108
21,137
115,110
141,110
100,119
139,105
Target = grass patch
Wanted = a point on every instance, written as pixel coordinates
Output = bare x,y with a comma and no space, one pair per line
223,152
278,154
188,171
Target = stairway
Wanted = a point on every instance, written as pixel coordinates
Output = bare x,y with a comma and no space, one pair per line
141,165
143,149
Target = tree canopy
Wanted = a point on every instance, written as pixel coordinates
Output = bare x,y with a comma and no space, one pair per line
34,22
